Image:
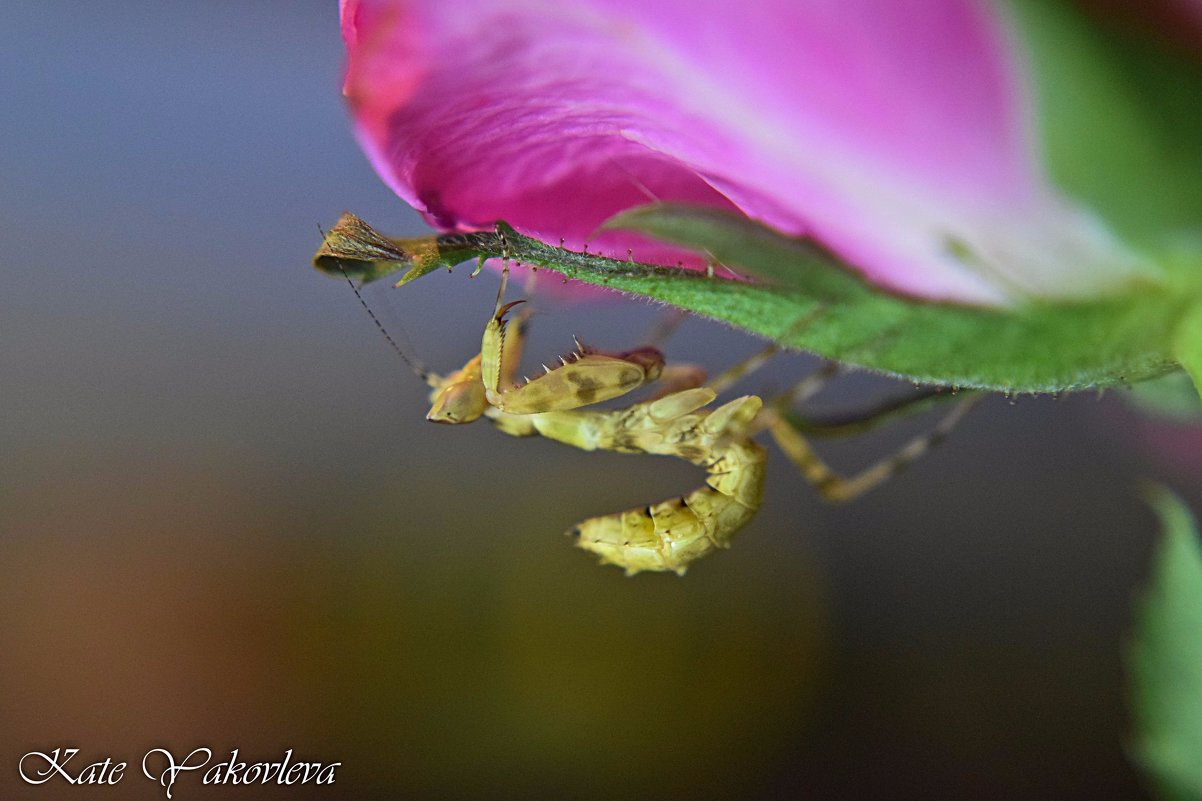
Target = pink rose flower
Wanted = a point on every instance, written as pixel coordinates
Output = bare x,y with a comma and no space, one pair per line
900,135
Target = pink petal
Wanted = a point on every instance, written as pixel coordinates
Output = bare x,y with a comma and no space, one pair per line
896,133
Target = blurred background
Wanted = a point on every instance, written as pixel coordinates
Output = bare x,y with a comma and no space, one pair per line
224,521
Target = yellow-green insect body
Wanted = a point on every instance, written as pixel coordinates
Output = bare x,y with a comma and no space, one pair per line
663,537
666,536
669,535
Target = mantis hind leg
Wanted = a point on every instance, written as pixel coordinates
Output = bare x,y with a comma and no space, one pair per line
838,488
859,421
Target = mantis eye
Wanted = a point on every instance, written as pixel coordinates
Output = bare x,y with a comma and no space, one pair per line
650,359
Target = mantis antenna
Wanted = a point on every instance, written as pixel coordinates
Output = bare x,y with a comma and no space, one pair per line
415,365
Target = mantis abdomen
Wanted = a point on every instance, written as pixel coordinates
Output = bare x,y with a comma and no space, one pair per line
666,536
674,533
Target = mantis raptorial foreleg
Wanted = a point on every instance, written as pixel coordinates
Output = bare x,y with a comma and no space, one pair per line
583,377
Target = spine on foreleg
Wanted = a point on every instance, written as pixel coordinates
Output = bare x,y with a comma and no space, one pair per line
672,534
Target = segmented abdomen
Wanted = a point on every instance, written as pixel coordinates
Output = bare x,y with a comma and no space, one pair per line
672,534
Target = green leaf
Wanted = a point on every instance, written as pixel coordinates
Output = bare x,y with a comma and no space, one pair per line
1166,657
1039,347
803,297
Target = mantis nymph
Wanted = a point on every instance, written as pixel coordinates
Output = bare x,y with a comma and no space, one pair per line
675,421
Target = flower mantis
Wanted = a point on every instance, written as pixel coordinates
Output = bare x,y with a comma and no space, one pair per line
676,420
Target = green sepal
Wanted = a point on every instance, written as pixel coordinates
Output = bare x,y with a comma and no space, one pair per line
1165,657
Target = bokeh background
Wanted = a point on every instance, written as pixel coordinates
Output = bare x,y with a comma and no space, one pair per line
224,521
